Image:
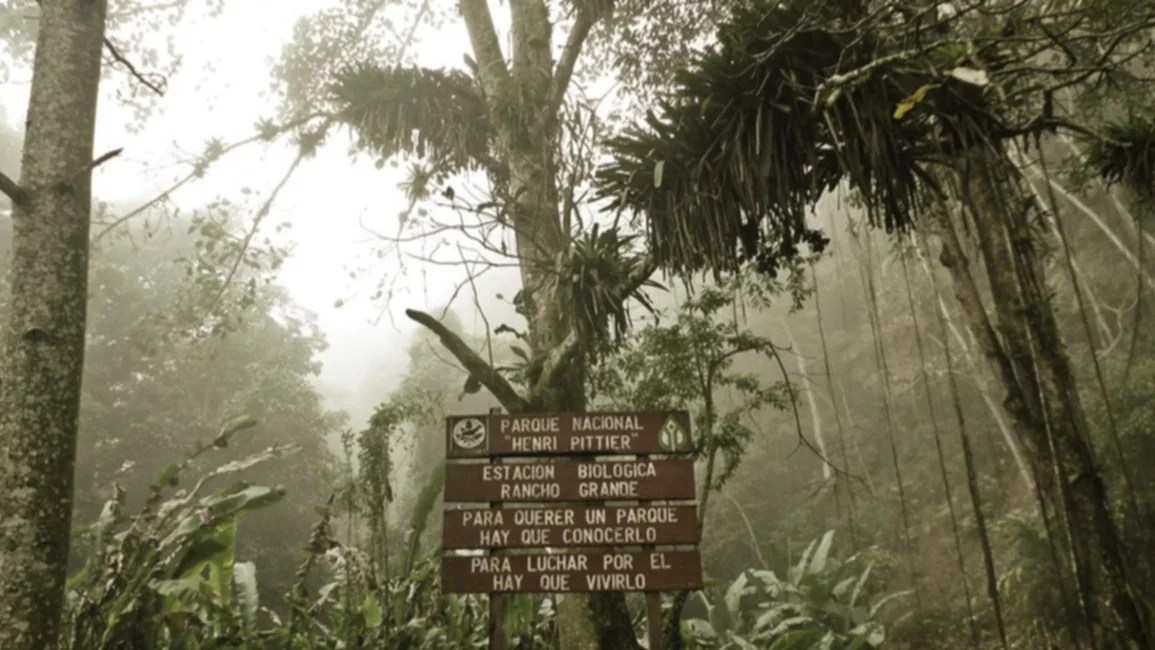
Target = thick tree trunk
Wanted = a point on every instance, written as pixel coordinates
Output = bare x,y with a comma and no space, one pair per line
43,346
1030,360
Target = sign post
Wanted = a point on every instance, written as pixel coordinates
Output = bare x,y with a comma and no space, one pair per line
562,536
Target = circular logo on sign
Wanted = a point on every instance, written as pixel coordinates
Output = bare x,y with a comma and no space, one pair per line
468,433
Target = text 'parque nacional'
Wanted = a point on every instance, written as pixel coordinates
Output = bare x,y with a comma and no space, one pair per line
568,434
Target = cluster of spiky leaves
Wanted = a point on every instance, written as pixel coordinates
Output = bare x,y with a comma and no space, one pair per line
434,114
742,151
1126,155
600,270
797,98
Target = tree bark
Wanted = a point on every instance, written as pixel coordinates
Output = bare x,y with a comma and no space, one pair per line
43,345
523,96
1043,400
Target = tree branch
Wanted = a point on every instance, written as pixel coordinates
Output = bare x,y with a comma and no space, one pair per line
115,52
569,56
106,157
473,363
559,359
483,37
12,189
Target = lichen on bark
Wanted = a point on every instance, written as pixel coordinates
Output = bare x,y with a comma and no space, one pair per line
42,358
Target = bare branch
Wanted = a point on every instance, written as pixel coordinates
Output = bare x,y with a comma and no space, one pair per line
106,157
248,240
569,56
559,359
483,37
12,189
151,85
485,373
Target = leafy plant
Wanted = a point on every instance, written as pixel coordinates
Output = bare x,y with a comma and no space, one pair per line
167,577
817,603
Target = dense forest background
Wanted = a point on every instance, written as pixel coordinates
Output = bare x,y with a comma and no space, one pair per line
758,212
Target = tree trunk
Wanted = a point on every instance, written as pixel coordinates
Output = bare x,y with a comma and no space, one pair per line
524,96
1031,362
43,345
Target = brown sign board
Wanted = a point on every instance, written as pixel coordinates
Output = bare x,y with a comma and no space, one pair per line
572,572
568,434
570,526
616,480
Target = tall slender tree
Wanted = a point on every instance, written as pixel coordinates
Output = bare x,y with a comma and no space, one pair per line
43,342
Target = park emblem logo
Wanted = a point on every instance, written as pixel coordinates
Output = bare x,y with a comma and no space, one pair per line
469,433
673,437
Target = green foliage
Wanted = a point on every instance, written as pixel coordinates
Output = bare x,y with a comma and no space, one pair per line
167,577
161,332
1126,154
598,277
686,365
818,603
433,114
794,99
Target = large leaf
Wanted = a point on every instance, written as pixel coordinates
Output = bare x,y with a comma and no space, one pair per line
248,598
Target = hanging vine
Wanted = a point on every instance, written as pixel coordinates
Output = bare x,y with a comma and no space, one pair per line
937,434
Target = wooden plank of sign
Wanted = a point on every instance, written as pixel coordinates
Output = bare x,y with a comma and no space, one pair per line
570,526
572,572
615,480
568,434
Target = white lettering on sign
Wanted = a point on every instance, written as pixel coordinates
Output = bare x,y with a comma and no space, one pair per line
600,442
535,537
554,583
609,536
595,516
543,517
607,422
616,582
616,470
494,537
535,443
507,582
529,491
553,563
535,472
608,490
489,564
658,561
644,515
532,424
617,562
482,518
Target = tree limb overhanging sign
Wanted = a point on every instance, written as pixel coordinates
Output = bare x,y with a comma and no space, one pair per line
643,543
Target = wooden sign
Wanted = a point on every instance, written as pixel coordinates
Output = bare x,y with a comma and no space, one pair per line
572,572
570,434
570,526
618,480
